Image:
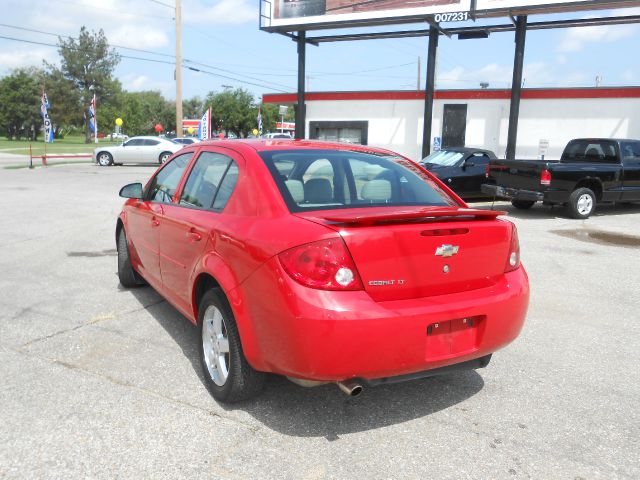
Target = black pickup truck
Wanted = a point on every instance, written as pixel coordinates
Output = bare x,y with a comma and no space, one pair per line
590,171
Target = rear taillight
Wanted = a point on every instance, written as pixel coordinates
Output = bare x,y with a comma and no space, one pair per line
487,171
545,177
513,260
325,265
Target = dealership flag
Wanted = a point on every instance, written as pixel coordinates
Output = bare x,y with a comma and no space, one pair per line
93,120
204,129
259,122
44,112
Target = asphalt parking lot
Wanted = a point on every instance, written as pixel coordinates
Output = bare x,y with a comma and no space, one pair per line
102,382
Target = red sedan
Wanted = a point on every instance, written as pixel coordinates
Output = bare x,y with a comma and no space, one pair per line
321,262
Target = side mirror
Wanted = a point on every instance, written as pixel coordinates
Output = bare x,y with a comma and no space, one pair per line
133,190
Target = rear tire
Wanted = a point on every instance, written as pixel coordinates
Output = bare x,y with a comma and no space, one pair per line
126,274
164,156
228,375
105,159
523,204
582,203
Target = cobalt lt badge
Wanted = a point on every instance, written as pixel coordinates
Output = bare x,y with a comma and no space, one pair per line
447,251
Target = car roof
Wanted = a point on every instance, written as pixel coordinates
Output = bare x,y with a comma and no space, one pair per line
264,145
149,137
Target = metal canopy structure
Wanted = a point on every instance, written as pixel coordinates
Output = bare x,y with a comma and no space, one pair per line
295,18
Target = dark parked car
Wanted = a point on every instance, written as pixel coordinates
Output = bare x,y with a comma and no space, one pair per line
462,169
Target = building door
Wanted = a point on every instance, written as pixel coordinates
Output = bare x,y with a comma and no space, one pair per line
454,125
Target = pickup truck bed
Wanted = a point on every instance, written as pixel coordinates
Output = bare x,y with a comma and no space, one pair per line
590,171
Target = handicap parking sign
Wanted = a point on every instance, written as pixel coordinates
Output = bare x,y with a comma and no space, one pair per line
437,144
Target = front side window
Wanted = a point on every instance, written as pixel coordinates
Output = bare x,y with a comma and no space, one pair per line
136,142
211,182
334,179
149,142
163,186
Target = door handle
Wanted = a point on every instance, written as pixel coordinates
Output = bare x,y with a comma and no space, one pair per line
193,235
155,222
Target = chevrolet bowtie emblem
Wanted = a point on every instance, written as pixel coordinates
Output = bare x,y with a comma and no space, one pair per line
447,251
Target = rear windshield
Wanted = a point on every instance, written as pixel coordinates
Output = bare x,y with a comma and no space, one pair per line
585,150
335,179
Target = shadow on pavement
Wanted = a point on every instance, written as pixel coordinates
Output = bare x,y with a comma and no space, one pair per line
323,411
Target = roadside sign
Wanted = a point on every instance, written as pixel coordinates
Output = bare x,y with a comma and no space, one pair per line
437,144
543,146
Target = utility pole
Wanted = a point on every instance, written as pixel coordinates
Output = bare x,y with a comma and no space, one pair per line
178,68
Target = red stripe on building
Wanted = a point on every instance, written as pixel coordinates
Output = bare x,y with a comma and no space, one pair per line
529,94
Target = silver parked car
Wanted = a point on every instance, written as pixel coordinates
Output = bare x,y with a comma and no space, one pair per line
137,150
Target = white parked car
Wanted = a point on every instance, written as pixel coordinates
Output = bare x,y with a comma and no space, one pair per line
186,140
137,150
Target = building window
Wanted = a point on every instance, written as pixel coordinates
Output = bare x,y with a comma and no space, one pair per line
349,132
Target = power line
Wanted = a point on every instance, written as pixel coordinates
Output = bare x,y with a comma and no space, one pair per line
129,57
119,12
185,60
163,4
73,38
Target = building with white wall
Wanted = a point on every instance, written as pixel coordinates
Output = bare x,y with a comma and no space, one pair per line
477,118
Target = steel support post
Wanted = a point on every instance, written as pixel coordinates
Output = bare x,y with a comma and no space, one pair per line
300,107
429,90
516,86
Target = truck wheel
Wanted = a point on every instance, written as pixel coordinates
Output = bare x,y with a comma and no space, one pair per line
523,204
582,203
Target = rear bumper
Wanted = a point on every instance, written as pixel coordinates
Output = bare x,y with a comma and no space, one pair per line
512,193
333,336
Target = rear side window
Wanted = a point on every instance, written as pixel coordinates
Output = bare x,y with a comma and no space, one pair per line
163,186
211,182
594,151
334,179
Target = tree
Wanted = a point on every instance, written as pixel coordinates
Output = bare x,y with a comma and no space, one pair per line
20,101
141,111
193,108
88,63
233,111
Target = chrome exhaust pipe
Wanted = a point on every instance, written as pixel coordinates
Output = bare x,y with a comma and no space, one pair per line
350,387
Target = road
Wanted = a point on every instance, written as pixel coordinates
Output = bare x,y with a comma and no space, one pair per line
103,382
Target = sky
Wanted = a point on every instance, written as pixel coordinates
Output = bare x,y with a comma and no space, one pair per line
221,38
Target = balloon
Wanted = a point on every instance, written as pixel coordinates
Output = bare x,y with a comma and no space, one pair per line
255,132
190,130
158,128
119,122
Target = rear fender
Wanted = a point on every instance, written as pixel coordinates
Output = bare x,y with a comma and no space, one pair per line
214,266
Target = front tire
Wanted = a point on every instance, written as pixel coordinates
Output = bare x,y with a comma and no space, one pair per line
164,156
126,274
228,375
523,204
582,203
105,159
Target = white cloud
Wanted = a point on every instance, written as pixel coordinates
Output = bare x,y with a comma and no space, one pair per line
577,39
26,58
138,83
498,76
221,12
138,36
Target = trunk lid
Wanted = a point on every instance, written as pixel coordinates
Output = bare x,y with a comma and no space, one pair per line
421,252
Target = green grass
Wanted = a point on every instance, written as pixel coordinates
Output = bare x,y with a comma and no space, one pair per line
68,145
